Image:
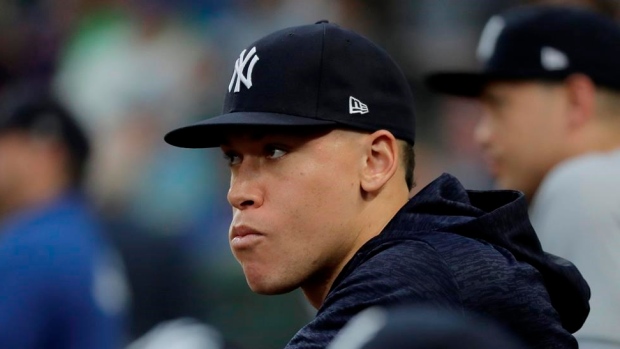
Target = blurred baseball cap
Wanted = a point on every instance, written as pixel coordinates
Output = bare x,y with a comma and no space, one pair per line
45,117
310,75
539,42
422,327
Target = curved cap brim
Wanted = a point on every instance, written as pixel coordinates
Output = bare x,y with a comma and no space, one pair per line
211,132
458,83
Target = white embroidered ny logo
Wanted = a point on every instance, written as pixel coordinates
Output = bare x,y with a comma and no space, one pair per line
240,66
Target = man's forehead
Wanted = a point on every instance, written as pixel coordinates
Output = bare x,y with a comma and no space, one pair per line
513,83
496,88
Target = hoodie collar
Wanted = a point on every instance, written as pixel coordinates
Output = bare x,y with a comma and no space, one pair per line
499,217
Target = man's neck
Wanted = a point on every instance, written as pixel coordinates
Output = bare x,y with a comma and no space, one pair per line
598,137
37,193
372,220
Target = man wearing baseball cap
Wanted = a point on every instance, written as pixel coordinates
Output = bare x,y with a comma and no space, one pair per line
550,88
318,130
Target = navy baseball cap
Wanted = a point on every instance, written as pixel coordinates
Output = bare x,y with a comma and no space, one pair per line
539,43
310,75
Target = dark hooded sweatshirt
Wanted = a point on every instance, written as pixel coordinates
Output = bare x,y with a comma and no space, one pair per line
466,250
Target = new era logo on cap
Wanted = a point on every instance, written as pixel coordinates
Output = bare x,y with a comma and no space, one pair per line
356,106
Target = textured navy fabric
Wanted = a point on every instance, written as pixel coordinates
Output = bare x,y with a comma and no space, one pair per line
461,250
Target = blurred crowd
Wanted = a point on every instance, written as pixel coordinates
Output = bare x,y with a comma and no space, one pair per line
130,70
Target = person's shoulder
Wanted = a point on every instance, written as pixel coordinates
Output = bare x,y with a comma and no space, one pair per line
60,229
77,218
403,261
425,248
585,180
591,169
425,245
388,251
393,271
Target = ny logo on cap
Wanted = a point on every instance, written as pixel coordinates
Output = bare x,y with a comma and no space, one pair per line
240,64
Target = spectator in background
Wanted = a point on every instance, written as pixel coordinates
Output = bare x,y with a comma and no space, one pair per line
61,284
550,88
130,70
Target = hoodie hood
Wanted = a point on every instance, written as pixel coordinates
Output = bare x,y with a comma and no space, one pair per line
499,217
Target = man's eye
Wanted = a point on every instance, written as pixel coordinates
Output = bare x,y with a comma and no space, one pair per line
274,152
232,159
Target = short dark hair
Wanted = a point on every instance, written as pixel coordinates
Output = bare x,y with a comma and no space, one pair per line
408,161
609,101
43,115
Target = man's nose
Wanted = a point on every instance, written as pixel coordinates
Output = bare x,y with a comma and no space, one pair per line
482,131
245,189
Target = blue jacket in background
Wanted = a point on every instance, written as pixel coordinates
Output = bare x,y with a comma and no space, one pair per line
465,250
61,285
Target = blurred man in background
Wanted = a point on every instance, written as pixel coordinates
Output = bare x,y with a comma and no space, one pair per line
61,284
550,88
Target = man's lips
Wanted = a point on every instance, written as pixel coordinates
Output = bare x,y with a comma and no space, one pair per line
244,237
243,230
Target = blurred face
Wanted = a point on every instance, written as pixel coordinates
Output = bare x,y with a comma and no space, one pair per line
521,132
295,202
15,158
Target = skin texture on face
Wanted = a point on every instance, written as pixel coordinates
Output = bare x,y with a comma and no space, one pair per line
521,132
298,215
31,170
14,162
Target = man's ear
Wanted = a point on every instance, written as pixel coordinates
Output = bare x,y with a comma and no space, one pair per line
581,96
381,160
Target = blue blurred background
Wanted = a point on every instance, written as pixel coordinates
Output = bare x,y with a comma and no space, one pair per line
133,69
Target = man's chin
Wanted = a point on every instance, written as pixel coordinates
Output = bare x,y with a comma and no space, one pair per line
269,289
503,182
